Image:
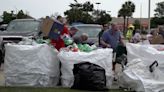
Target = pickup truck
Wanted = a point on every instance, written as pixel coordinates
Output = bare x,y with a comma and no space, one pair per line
16,30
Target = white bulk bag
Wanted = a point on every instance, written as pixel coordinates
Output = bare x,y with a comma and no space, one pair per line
147,53
137,75
101,57
31,65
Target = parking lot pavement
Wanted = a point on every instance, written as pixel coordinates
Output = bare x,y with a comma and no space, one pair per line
2,80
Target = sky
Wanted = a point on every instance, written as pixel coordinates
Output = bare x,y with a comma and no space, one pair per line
42,8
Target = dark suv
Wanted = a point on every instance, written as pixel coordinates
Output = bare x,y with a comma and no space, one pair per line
16,30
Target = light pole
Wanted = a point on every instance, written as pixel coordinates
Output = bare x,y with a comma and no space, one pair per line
109,11
140,16
149,8
98,3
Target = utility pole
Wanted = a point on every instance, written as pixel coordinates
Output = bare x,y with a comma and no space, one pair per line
98,3
149,8
16,10
140,16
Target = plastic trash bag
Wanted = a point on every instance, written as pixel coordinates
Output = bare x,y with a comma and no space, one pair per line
89,76
27,41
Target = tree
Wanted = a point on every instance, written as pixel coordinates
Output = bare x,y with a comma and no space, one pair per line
21,15
85,13
123,13
137,24
159,15
74,15
127,10
157,21
88,7
7,17
131,9
80,12
103,18
160,9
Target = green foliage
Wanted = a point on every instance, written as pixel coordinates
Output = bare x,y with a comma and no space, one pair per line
137,24
126,11
9,16
103,18
160,9
85,13
88,7
157,21
21,15
159,15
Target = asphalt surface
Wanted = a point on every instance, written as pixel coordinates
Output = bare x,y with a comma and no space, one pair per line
2,79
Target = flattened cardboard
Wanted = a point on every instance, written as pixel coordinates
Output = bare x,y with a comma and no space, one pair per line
46,26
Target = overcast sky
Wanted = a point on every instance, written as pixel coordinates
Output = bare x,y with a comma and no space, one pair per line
41,8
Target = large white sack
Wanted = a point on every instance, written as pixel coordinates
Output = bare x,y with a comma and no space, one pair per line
138,77
101,57
27,65
147,53
144,42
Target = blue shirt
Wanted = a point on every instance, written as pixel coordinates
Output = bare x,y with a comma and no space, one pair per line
111,38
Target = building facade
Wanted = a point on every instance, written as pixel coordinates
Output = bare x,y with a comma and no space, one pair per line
120,22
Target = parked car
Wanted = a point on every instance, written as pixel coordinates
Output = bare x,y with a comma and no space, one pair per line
3,27
16,30
91,29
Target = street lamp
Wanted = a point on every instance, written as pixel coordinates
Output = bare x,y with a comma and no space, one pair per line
149,8
98,3
140,16
109,11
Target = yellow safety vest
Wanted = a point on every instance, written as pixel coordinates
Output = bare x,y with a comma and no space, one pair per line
129,34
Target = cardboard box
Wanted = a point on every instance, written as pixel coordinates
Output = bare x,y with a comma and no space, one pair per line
46,26
52,29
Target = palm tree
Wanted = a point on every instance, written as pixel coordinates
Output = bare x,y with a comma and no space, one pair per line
127,10
131,9
122,13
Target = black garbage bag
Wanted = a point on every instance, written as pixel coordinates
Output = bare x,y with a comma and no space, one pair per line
122,60
120,50
89,76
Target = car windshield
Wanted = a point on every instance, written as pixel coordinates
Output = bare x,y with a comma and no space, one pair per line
23,26
92,31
